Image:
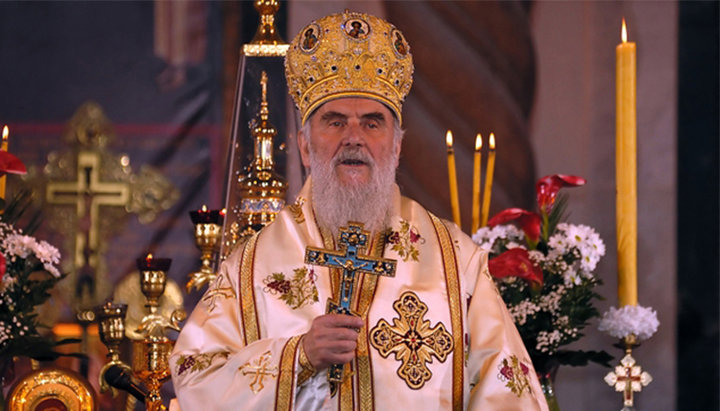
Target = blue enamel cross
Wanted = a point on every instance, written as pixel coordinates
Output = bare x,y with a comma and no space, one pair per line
353,241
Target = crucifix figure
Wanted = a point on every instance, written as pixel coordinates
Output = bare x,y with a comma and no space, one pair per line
353,241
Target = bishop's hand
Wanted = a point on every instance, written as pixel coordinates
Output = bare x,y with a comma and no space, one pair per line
332,339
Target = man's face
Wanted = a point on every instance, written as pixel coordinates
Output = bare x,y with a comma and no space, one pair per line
351,134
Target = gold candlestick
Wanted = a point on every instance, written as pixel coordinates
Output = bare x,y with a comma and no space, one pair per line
111,325
150,365
208,234
153,278
476,184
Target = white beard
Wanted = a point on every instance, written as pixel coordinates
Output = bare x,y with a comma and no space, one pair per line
336,203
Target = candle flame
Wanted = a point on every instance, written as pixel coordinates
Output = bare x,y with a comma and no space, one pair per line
449,139
149,257
204,208
6,133
222,212
478,142
623,33
492,141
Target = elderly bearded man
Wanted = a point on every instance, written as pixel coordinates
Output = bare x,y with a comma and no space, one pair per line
436,336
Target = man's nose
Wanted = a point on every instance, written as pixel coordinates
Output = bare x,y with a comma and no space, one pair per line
354,135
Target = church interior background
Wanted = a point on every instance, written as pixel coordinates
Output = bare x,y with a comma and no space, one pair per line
158,80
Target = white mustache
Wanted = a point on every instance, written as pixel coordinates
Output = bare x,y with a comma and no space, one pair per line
353,154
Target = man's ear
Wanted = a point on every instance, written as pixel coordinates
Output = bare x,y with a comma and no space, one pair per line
304,148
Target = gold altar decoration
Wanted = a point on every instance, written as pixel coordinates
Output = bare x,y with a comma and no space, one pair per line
267,41
628,377
151,352
82,183
261,189
208,235
52,389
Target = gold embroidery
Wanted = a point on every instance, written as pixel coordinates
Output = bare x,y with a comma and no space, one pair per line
308,371
296,292
251,330
296,210
197,362
259,370
217,291
412,340
404,241
514,374
453,289
285,393
366,396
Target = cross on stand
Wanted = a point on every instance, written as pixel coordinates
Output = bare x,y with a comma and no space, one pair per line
353,240
87,193
628,378
259,370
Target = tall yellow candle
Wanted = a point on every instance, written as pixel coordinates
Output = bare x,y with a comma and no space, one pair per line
488,180
476,184
626,170
454,201
4,147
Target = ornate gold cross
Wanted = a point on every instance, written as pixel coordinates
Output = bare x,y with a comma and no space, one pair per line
628,378
259,370
353,240
412,340
87,194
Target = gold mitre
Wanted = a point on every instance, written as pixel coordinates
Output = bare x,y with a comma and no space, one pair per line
348,55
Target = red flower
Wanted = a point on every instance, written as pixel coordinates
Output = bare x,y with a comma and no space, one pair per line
414,236
548,187
529,222
516,263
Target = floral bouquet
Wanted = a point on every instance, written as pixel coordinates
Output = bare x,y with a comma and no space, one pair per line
28,270
544,272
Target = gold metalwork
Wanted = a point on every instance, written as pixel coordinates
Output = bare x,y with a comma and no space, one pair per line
111,326
348,55
79,182
353,242
127,291
154,324
261,189
267,41
207,238
259,370
628,377
413,341
150,365
52,388
452,283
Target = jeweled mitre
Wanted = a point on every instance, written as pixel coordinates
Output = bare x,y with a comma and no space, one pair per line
348,55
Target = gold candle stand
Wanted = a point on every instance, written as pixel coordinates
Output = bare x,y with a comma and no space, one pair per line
111,325
628,377
150,354
208,234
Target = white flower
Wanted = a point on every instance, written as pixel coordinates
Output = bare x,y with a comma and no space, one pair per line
630,319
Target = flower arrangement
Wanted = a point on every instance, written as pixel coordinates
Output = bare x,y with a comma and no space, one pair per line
28,270
544,272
